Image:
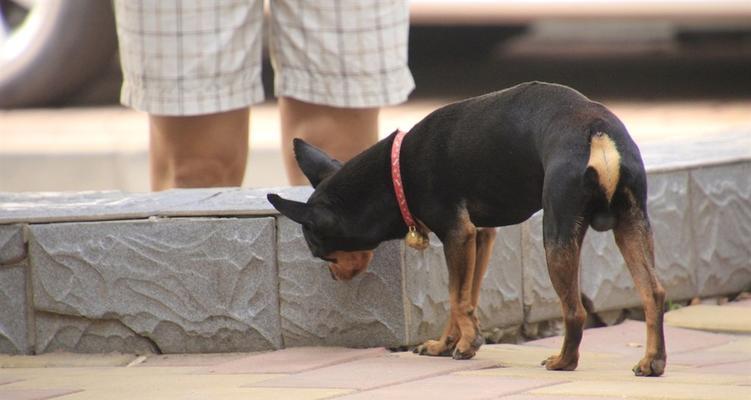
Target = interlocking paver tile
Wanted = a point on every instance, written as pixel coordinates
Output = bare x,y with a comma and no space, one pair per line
208,393
33,394
741,303
742,344
133,381
452,387
648,389
190,360
703,358
711,318
737,350
544,397
738,368
375,372
66,360
84,372
4,380
532,356
672,375
630,337
510,354
296,359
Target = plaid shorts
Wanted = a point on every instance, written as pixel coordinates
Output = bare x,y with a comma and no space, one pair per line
191,57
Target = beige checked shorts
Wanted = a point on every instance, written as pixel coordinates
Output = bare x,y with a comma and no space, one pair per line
191,57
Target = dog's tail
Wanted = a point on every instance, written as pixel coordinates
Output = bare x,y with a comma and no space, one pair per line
602,175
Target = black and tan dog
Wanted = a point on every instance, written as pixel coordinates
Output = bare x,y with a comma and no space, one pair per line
484,162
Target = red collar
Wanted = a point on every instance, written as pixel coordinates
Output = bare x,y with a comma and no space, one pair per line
396,178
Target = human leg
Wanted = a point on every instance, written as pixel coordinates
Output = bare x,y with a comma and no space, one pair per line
194,66
198,151
341,132
336,63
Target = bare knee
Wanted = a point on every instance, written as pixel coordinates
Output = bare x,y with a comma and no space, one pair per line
196,172
199,151
340,132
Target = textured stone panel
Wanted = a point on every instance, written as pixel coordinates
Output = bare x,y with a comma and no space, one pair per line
721,215
317,310
13,295
426,285
540,301
669,209
12,246
501,300
605,280
13,309
65,333
426,291
189,285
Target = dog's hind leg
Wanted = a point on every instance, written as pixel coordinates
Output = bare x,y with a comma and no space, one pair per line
485,239
563,266
634,238
563,232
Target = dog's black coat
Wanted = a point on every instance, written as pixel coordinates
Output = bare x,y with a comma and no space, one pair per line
502,156
490,161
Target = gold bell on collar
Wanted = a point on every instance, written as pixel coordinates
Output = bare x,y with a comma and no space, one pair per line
416,239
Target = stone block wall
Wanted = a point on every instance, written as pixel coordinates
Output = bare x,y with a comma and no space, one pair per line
173,285
15,299
220,271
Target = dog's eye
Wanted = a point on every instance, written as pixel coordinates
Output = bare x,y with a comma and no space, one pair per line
329,259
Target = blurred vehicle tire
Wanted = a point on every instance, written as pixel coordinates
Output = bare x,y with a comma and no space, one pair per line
50,48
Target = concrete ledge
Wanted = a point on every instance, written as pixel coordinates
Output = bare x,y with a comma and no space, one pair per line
217,270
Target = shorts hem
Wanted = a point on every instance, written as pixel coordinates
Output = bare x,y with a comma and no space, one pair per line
172,105
346,92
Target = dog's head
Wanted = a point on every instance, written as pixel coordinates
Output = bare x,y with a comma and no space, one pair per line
328,232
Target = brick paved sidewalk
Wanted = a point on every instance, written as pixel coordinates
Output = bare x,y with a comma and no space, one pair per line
701,365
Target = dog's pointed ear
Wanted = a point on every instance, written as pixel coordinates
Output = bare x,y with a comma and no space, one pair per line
314,163
294,210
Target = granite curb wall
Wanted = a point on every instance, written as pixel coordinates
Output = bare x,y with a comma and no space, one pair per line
219,271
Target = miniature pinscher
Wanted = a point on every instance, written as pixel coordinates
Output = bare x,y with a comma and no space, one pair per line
477,164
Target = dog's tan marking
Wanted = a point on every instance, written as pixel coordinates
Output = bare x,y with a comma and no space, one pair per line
606,161
349,263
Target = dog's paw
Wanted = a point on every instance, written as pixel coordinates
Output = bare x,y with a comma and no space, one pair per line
434,348
558,363
478,342
463,355
470,350
649,367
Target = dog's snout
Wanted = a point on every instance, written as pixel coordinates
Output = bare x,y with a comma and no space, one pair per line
346,265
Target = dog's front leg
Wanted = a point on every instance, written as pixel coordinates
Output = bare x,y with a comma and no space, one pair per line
460,247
